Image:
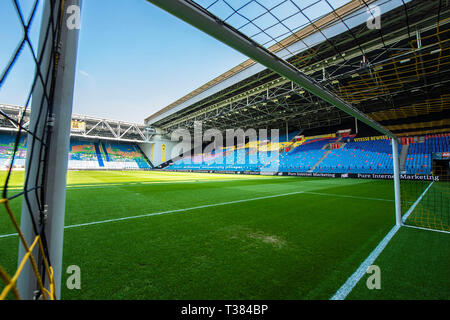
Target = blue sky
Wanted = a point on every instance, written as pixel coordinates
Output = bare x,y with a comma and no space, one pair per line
133,59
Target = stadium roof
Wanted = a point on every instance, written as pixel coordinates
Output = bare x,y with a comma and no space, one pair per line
398,74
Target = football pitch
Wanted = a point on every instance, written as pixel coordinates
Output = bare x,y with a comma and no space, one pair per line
165,235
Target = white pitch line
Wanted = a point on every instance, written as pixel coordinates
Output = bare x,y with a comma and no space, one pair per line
166,212
427,229
351,282
8,235
407,214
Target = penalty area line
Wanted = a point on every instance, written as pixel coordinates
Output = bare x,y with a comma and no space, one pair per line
168,211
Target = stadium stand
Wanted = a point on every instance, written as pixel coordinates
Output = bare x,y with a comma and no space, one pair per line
123,156
83,154
298,154
420,150
322,154
7,148
373,156
306,154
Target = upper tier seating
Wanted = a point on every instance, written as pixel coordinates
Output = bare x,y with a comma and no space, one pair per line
237,160
418,160
262,156
126,155
303,157
359,157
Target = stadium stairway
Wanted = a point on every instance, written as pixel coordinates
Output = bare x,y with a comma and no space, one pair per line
105,152
325,155
138,149
403,155
267,167
99,155
374,156
320,161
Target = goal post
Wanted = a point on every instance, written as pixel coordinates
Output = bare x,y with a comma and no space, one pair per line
47,156
397,190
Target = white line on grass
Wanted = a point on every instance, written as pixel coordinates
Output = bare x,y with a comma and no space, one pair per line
427,229
166,212
8,235
351,282
407,214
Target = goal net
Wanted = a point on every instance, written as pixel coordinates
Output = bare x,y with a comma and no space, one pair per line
426,201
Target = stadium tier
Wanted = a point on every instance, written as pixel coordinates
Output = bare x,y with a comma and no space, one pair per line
118,155
419,159
304,156
7,143
322,154
359,157
83,154
245,159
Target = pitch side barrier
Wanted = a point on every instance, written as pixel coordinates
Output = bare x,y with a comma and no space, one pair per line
318,174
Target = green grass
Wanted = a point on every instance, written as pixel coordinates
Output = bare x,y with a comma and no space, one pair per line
297,246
